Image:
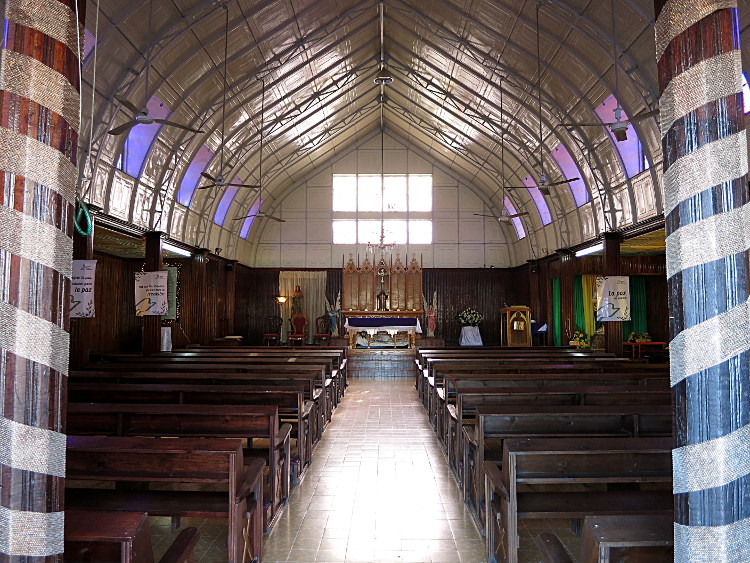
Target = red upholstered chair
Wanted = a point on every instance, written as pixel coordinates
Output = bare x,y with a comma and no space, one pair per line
273,331
322,330
299,323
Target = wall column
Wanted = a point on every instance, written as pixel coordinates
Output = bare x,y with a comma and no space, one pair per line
152,323
200,259
39,125
612,266
708,228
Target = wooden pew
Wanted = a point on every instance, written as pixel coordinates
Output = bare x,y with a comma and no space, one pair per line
544,377
134,461
114,537
197,375
439,372
333,359
645,538
469,398
199,421
573,474
495,424
290,400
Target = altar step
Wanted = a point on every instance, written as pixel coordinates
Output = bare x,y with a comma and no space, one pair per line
385,362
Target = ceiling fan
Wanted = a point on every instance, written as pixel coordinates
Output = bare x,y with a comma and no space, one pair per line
140,116
261,214
618,127
544,184
218,181
504,216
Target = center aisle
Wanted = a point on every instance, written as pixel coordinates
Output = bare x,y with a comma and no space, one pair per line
379,488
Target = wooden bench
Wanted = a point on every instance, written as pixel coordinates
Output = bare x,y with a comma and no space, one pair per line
645,374
545,378
573,478
197,421
114,537
229,376
131,462
495,424
293,407
468,399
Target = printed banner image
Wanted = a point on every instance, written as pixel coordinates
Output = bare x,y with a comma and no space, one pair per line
82,289
151,293
613,298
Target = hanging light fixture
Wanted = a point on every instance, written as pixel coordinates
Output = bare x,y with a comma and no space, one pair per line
382,79
382,246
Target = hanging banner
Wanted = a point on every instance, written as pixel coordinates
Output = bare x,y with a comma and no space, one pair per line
613,298
171,294
82,289
151,293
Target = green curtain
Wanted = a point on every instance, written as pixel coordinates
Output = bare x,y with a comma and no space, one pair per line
638,322
579,313
556,313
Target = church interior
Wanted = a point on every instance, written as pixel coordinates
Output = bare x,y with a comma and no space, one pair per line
374,280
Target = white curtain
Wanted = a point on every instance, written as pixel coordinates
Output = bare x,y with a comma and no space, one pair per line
313,286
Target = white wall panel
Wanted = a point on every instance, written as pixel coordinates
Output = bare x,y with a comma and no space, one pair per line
496,255
319,199
318,256
445,199
294,230
319,231
268,255
470,255
471,230
445,230
292,255
468,201
445,256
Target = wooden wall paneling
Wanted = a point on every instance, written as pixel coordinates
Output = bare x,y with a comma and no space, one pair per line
255,300
657,304
486,290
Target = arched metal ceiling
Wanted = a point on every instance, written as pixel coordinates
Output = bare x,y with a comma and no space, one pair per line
316,60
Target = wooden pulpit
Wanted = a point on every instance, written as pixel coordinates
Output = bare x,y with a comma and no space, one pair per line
515,326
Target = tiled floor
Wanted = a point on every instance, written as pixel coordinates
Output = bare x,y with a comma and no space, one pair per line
379,489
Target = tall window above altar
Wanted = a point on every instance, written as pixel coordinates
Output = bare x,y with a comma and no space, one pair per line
399,204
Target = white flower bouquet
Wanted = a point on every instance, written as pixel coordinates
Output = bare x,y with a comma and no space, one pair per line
470,317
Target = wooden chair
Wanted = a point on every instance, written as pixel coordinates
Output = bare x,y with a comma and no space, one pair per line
273,331
322,334
297,334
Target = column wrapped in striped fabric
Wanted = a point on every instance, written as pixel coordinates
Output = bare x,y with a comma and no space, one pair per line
708,236
39,122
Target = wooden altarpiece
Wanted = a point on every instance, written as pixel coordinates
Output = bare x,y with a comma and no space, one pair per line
382,287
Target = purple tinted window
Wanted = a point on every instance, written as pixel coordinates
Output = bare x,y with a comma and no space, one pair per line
226,201
539,201
510,208
570,170
630,149
89,42
5,34
254,208
140,138
193,175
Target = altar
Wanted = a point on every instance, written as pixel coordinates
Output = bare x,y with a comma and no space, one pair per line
383,330
382,303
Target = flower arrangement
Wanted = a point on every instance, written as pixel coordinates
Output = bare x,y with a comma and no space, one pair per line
470,317
643,337
579,339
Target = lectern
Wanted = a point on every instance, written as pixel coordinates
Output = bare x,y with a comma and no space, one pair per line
516,326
